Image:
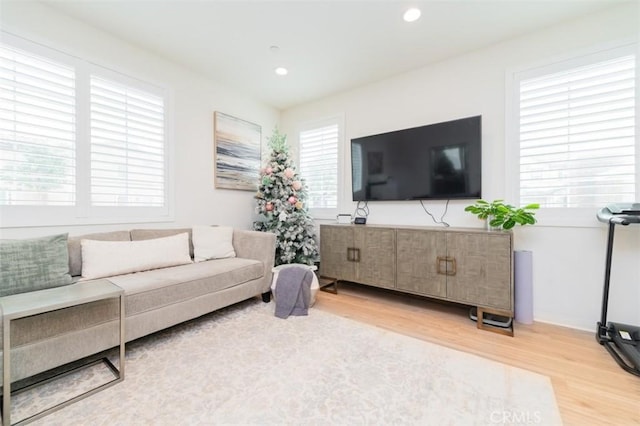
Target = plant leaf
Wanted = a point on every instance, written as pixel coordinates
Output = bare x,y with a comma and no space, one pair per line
496,222
509,224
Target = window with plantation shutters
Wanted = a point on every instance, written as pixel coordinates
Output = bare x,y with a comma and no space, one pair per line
319,164
79,143
37,130
577,132
127,145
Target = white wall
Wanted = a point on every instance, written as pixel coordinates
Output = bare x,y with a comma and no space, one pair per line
195,100
568,261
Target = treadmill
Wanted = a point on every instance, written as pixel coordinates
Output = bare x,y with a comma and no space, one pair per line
621,340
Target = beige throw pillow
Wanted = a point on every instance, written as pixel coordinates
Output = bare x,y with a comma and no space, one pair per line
108,258
212,242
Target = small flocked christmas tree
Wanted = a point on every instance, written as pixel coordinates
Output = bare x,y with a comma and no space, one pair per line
281,206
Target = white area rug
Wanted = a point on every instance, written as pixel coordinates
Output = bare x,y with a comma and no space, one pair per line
242,365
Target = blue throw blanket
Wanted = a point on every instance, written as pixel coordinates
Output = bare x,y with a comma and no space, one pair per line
293,292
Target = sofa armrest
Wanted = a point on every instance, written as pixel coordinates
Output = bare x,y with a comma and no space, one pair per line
259,246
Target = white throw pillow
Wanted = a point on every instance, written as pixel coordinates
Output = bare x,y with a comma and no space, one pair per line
212,242
108,258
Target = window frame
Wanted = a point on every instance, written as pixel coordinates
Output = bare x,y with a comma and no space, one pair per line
326,213
82,213
564,216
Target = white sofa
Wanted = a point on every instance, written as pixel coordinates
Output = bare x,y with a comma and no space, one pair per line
154,300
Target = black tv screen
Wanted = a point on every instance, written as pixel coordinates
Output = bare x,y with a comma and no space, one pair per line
437,161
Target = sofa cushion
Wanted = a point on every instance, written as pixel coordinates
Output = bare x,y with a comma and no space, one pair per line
151,290
33,264
212,242
107,258
75,251
149,234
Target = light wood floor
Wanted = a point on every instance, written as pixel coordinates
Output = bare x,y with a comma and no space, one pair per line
590,388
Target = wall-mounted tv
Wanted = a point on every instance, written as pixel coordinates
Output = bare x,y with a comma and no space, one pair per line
437,161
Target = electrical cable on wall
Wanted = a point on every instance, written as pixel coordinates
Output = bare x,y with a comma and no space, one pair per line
361,211
441,220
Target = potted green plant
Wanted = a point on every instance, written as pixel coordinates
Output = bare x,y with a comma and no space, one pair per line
503,216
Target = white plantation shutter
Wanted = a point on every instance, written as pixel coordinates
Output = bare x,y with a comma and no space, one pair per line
319,164
79,143
127,146
37,130
577,136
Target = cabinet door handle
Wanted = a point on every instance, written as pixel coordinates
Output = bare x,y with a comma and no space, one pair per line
446,265
440,260
451,267
353,254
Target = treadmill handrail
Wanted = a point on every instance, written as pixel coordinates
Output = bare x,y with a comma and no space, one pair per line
605,215
619,220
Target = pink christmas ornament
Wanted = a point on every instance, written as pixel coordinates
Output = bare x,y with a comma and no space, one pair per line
288,173
293,200
268,170
296,185
268,207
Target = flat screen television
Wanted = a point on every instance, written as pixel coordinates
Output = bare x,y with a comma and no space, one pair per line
438,161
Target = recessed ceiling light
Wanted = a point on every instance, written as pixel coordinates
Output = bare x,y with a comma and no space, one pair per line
412,14
282,71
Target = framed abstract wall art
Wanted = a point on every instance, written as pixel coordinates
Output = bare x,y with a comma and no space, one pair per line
236,152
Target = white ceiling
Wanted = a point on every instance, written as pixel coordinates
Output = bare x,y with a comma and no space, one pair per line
328,46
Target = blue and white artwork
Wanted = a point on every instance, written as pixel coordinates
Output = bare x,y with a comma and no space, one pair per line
237,153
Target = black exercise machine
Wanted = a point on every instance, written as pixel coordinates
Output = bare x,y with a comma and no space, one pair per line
621,340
